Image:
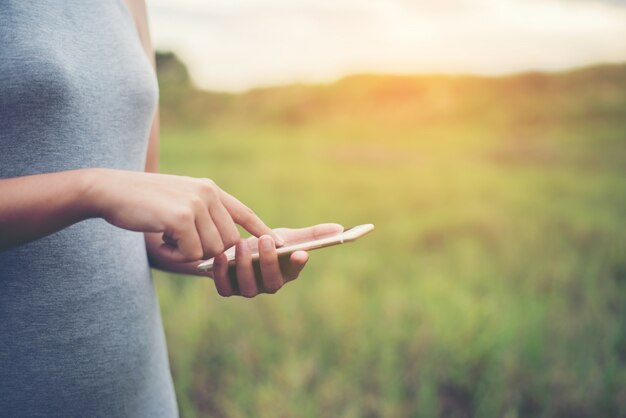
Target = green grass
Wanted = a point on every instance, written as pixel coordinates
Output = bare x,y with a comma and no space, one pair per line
494,285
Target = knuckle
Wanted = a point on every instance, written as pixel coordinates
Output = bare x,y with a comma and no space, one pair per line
196,202
231,239
265,262
209,182
195,254
216,248
184,216
272,289
225,293
247,215
208,187
248,294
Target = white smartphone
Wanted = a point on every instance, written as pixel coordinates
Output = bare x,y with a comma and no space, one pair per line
348,235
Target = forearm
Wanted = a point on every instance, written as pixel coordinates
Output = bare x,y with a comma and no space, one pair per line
34,206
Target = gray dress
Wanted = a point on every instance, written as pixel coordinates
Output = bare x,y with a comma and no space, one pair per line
80,329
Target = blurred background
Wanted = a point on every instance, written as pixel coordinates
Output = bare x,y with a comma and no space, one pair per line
485,139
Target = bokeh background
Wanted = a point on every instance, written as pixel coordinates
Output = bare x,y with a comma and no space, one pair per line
487,142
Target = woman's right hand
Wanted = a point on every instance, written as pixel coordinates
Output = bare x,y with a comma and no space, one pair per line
196,217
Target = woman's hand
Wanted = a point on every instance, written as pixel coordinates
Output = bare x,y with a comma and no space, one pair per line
195,217
270,273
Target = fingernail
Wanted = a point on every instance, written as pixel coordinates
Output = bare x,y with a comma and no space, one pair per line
266,243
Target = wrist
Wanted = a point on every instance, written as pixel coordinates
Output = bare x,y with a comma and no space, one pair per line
89,192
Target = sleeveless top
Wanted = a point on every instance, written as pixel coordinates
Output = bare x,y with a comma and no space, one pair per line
80,328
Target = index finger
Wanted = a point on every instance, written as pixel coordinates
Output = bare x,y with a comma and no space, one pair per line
246,217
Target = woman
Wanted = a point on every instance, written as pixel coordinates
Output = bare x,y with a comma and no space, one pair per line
83,215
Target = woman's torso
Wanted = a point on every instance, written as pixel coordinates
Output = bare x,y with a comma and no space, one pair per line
80,330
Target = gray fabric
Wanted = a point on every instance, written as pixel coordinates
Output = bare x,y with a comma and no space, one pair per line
80,329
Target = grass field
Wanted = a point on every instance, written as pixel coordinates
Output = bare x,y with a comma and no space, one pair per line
494,285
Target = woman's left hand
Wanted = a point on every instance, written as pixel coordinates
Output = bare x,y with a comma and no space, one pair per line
270,273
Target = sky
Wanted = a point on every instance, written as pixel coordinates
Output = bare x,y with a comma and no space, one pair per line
235,45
